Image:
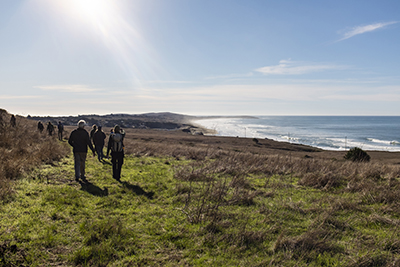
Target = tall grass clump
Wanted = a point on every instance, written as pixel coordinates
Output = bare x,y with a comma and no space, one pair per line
356,154
22,148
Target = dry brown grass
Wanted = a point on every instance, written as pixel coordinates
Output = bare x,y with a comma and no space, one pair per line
237,157
219,175
318,173
23,148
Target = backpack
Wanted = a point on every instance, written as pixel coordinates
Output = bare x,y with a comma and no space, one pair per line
117,145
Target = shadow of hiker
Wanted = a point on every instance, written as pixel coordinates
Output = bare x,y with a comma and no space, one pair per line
138,190
93,189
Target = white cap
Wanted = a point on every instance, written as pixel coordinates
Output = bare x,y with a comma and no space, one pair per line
81,123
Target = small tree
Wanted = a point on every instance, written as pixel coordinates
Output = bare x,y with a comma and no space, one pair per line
356,154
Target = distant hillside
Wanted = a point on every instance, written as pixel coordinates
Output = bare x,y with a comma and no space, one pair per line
148,120
162,120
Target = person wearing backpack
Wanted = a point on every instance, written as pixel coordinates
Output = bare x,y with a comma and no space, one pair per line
116,145
79,140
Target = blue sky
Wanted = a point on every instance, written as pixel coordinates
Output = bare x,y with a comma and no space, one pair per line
200,57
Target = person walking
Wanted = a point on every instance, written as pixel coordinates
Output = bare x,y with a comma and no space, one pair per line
50,128
116,145
79,140
13,121
98,140
40,126
60,128
94,129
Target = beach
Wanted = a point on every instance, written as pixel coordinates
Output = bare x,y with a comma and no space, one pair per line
373,133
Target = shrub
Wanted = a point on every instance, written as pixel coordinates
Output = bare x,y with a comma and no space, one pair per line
357,155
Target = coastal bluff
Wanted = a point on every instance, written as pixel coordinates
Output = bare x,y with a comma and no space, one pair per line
161,120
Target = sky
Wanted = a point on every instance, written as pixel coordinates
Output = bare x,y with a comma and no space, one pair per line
200,57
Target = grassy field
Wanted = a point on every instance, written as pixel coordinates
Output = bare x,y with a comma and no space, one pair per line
194,201
177,212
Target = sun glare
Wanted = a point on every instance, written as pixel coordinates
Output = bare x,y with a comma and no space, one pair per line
94,11
108,21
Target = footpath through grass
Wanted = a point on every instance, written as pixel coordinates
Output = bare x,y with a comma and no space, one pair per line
171,212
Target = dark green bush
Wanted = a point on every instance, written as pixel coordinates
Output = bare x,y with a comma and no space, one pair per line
356,154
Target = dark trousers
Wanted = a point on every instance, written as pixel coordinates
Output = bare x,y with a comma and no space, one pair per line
117,159
80,159
99,151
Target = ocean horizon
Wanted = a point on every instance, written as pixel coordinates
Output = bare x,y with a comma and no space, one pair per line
374,133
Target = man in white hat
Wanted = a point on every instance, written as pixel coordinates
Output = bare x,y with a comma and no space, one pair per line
79,140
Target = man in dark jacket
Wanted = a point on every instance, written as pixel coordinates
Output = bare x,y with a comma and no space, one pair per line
116,145
50,128
79,140
94,129
40,126
60,128
13,121
98,140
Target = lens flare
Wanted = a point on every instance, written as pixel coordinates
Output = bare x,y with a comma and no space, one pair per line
115,26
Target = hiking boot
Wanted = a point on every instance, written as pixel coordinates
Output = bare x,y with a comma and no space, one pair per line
77,179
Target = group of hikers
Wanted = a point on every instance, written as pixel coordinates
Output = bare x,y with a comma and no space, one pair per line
51,129
80,140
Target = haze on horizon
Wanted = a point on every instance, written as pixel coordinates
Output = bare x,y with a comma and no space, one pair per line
200,57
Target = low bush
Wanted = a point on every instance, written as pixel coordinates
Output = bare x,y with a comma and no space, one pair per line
356,154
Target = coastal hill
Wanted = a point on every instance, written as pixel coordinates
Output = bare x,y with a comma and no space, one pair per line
162,120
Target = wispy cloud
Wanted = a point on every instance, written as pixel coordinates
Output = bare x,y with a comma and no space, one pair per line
72,88
230,76
168,82
9,97
288,67
364,29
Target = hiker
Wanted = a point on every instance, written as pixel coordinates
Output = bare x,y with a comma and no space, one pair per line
94,128
116,145
60,127
79,140
40,126
98,140
50,128
13,120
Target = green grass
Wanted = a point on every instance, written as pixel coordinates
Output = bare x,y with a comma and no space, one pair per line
169,212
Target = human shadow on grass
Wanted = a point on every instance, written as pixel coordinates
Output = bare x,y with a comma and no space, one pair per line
93,189
105,162
137,190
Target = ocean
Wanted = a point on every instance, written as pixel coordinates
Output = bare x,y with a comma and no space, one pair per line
379,133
